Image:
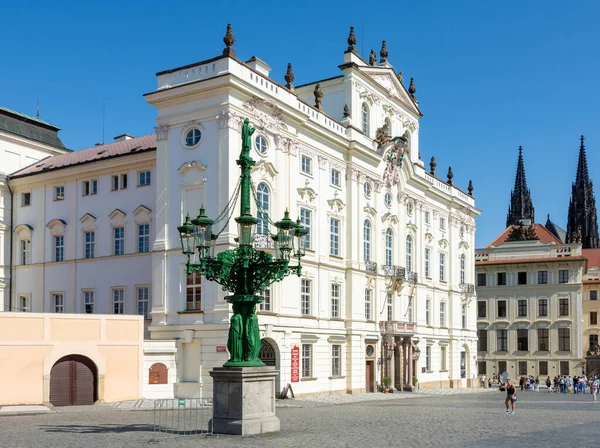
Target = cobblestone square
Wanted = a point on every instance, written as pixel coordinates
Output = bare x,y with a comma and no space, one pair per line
423,419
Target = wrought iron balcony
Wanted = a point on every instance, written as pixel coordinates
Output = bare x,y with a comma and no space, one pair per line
371,266
391,270
469,288
412,277
396,328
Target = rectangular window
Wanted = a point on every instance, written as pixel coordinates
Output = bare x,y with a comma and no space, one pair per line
427,217
481,368
88,302
336,177
464,316
336,360
143,237
58,303
522,308
25,199
522,340
118,300
90,244
593,318
24,304
306,221
306,164
522,278
193,292
543,307
390,308
543,368
482,340
368,300
59,193
428,312
443,357
502,340
144,178
25,252
442,314
94,186
409,311
59,248
143,308
265,305
85,188
305,286
334,237
593,294
89,187
123,184
442,263
542,277
306,361
118,240
564,368
427,256
593,339
563,276
114,184
502,366
442,223
543,339
501,308
481,280
501,278
563,307
522,367
564,339
335,300
481,308
428,358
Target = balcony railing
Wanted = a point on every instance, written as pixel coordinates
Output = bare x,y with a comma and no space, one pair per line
469,288
391,270
263,241
371,266
412,277
396,327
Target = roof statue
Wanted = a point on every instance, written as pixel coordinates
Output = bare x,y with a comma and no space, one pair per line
432,166
470,188
372,57
520,206
383,52
346,111
318,97
582,216
351,40
289,78
450,176
229,41
412,90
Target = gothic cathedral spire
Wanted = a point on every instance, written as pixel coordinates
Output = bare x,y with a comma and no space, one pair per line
582,222
520,198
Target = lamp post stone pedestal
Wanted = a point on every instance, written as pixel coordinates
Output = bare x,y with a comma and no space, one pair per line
244,400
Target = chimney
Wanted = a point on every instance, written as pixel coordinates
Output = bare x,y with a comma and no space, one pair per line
123,137
260,66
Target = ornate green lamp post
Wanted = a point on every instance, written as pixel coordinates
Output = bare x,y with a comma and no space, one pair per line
243,271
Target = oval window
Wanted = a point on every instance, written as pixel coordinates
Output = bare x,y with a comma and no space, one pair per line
261,144
192,138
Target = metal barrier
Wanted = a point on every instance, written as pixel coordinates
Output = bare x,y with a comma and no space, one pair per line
190,416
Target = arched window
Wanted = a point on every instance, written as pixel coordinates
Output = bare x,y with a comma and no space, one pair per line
388,127
462,268
409,252
365,119
389,244
263,200
367,240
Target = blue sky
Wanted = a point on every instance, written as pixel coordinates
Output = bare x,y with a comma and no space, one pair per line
490,76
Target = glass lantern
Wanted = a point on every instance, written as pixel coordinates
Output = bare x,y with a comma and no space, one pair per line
203,229
285,230
187,236
246,228
299,232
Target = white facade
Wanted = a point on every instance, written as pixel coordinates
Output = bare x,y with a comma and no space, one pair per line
331,173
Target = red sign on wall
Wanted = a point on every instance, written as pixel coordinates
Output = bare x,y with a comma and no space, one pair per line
221,348
295,364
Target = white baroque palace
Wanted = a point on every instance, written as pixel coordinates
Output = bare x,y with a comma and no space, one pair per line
387,282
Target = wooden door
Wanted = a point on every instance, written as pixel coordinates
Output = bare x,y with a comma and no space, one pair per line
369,376
72,382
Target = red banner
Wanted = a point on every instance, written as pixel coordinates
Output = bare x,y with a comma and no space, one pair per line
295,364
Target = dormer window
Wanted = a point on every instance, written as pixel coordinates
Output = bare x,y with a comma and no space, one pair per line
365,119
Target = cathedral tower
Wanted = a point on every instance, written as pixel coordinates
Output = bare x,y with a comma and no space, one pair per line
582,222
520,207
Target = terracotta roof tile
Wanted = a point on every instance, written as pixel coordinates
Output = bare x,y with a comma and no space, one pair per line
117,149
593,257
544,235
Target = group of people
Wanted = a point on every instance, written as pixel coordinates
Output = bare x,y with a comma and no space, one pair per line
529,383
575,384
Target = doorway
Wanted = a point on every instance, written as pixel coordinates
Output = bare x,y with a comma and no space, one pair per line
73,381
369,376
268,355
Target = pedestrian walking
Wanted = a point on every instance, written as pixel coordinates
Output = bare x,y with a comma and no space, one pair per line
511,397
594,390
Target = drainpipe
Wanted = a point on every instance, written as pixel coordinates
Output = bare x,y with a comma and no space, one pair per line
10,258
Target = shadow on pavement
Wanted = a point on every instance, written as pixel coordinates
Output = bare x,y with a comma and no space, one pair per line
96,429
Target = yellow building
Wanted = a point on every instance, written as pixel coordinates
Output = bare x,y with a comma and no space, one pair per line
590,304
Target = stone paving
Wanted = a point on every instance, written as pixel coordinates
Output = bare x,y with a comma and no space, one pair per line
426,419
